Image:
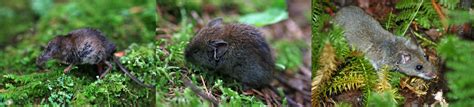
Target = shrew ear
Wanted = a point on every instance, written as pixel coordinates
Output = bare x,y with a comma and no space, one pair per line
411,43
219,48
405,58
215,22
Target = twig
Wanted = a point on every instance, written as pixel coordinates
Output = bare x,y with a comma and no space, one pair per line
273,96
286,83
441,14
258,92
293,103
198,19
210,98
205,87
267,100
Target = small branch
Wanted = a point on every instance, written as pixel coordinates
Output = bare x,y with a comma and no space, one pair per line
204,83
291,86
441,14
195,89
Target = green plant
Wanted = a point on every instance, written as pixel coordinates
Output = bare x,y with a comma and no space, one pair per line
346,82
459,58
41,7
449,4
112,90
61,90
289,54
269,16
420,11
384,99
334,36
328,63
457,17
17,18
22,89
257,5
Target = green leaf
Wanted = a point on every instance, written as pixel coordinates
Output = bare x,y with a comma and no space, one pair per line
289,54
269,16
384,99
41,7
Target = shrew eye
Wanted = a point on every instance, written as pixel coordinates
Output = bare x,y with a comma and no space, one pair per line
419,67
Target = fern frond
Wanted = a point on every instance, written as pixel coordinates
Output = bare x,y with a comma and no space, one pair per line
412,18
424,22
345,82
336,37
383,83
423,14
405,15
390,22
384,92
450,4
328,63
405,4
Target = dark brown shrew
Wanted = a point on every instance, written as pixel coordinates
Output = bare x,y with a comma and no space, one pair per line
83,46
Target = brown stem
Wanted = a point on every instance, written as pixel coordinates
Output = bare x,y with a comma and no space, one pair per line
441,14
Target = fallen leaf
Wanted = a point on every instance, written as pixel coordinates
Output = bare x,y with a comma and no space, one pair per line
433,34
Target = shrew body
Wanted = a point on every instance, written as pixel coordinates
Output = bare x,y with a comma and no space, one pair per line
82,46
235,50
382,47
